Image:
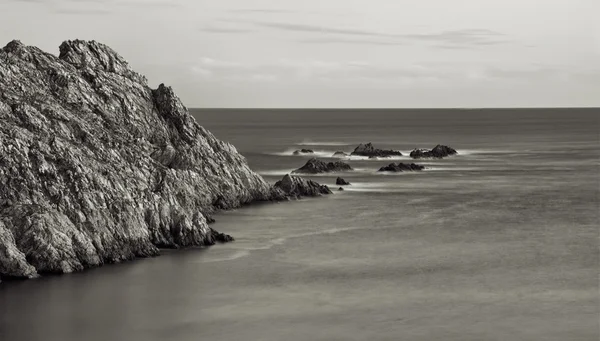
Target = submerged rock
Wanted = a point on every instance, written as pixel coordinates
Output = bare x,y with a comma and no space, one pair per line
340,154
341,182
314,166
438,151
401,167
295,186
341,189
304,151
96,167
372,152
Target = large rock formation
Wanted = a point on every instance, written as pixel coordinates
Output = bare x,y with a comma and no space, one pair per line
438,151
401,167
372,152
96,167
295,186
314,166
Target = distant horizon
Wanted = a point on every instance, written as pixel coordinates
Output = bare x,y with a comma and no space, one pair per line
399,108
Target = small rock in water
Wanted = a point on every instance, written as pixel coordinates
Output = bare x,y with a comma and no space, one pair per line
304,151
341,189
314,166
295,186
341,182
372,152
340,154
401,167
438,151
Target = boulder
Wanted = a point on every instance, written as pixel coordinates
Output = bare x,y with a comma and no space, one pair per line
341,182
401,167
372,152
438,151
304,151
314,166
295,186
340,154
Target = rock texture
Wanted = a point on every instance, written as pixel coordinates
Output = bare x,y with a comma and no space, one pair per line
295,186
438,151
314,166
372,152
303,151
401,167
96,167
340,153
341,182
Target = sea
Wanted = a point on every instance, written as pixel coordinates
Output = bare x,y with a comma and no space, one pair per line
499,242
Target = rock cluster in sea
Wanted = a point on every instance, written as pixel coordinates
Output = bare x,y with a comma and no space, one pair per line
303,151
96,167
295,186
315,166
438,151
401,167
370,151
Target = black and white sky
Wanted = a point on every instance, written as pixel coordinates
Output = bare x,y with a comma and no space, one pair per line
338,53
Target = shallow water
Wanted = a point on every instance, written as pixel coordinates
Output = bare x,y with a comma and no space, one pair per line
497,243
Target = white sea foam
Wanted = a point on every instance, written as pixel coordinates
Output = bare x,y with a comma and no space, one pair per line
316,153
321,143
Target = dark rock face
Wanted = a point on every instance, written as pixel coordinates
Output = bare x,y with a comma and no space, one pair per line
438,151
340,154
401,167
314,166
341,182
295,186
372,152
304,151
96,167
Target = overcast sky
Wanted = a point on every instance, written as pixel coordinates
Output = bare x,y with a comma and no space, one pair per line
338,53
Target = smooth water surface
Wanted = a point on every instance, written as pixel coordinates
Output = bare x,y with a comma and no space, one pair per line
497,243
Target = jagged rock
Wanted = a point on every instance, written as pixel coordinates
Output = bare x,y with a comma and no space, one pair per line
438,151
218,237
372,152
314,166
304,151
295,186
401,167
340,154
341,182
96,167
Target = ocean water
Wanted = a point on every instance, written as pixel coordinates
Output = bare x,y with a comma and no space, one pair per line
497,243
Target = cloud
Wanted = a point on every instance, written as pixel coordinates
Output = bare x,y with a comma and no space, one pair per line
289,71
211,29
274,11
444,39
83,11
349,41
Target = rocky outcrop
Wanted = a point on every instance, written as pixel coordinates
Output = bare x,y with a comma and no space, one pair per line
372,152
340,154
401,167
295,186
314,166
341,182
341,189
96,167
303,151
438,151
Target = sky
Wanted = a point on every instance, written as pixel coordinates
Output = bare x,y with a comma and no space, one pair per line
338,53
